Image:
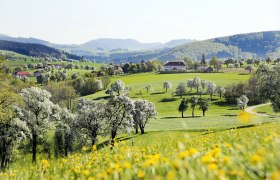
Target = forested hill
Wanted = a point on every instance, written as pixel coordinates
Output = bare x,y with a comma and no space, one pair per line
251,45
37,50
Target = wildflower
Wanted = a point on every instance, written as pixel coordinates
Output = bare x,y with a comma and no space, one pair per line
255,159
171,175
45,164
140,174
275,175
213,166
184,154
126,165
227,160
206,159
244,117
86,172
91,178
193,151
94,148
176,164
84,148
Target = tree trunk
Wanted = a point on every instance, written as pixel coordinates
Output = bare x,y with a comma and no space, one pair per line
113,135
136,130
221,96
165,89
34,147
3,160
182,114
193,113
142,130
203,112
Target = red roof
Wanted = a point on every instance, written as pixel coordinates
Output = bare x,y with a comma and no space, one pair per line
23,73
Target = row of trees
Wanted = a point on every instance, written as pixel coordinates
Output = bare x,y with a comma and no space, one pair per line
203,103
201,87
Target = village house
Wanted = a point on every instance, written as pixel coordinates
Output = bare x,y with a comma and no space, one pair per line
175,65
22,74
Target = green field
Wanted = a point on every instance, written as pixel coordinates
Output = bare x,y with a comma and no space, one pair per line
220,115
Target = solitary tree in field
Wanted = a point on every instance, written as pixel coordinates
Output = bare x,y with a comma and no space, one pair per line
143,112
214,62
91,117
220,90
242,102
36,112
148,87
204,104
118,86
193,101
183,106
167,85
181,89
211,87
119,115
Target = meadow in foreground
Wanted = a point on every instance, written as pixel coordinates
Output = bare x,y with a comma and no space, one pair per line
238,153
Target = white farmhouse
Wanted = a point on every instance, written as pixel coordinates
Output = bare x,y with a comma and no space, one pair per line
175,65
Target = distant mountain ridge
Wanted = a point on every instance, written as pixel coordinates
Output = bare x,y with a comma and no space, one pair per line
36,50
131,44
250,45
100,45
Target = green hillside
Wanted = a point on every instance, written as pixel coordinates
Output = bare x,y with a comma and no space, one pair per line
251,45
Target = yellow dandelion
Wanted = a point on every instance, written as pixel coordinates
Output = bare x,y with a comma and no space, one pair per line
245,117
275,175
184,154
126,165
91,178
94,148
213,166
256,159
206,159
140,174
86,172
171,175
192,151
84,148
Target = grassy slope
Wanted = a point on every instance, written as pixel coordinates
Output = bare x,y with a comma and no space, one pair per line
172,155
220,114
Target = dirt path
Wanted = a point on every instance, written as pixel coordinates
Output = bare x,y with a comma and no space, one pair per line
250,109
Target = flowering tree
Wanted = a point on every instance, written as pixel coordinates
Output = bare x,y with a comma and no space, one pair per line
36,112
65,131
190,84
203,84
242,102
196,83
144,110
148,87
220,90
167,85
12,131
91,116
118,86
118,115
181,89
211,87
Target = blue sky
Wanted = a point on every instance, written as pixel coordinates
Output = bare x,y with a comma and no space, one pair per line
77,21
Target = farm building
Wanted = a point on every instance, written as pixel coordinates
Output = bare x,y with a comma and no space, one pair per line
174,65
